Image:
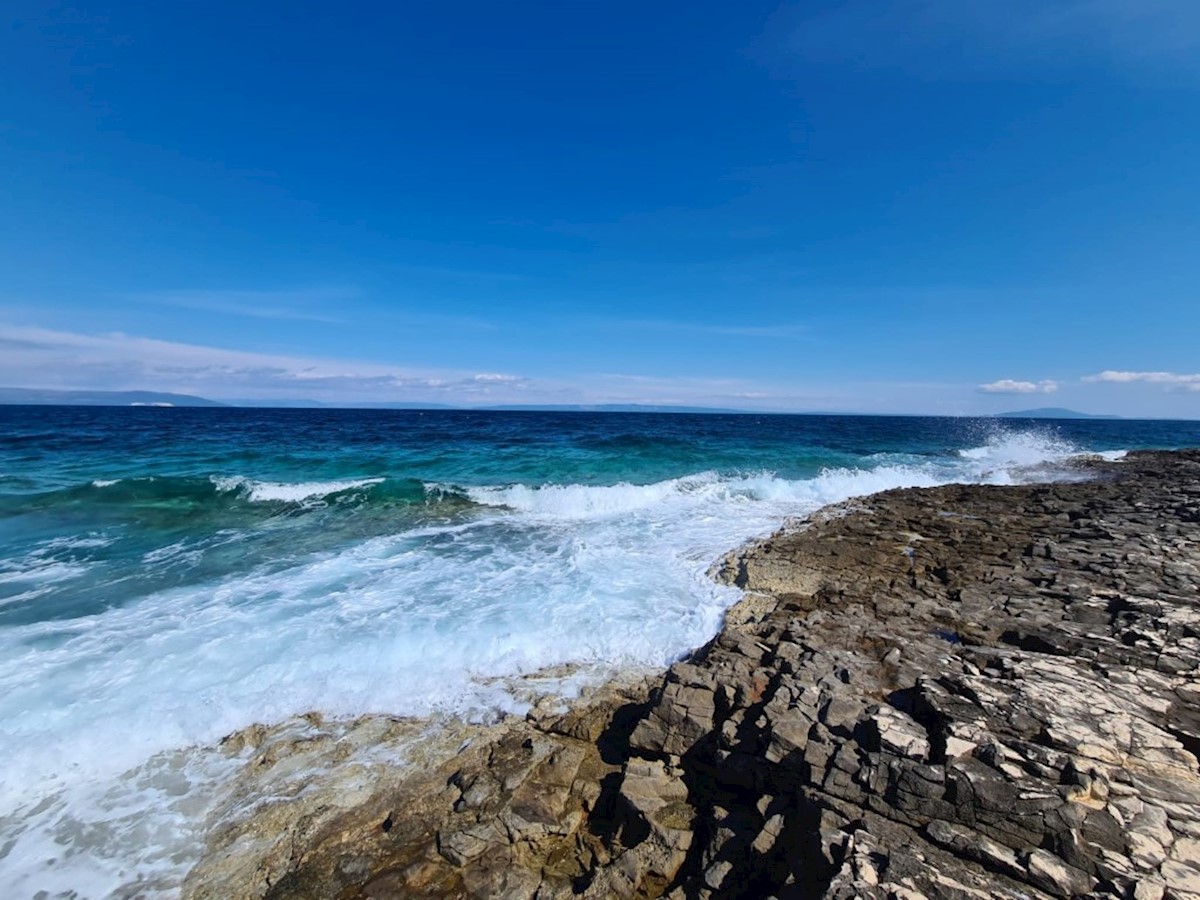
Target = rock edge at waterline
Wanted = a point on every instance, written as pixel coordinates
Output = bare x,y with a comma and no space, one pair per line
966,691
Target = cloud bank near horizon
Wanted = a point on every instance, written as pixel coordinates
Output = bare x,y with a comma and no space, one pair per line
1185,382
35,357
1011,386
45,358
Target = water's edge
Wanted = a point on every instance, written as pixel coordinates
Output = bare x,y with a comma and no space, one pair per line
695,780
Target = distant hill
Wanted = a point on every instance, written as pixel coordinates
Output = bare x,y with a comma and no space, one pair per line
1050,412
614,407
39,397
301,403
30,397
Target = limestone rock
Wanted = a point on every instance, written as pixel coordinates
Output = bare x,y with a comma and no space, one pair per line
967,691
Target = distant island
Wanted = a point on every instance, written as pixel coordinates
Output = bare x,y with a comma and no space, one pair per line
617,407
1050,412
47,397
40,397
304,403
504,407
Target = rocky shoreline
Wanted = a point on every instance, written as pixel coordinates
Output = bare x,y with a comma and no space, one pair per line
967,691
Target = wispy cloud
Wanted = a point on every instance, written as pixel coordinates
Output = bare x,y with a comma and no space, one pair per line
623,387
36,357
1010,386
1187,382
298,305
1022,37
40,357
44,358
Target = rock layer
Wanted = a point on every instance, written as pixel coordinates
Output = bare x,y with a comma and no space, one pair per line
966,691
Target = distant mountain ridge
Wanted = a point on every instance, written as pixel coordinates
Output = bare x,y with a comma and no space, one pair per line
303,403
45,397
1050,412
48,397
614,407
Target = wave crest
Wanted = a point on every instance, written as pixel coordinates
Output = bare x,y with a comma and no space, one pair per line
1022,448
1005,457
288,492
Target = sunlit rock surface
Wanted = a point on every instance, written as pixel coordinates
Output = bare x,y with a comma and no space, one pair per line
954,692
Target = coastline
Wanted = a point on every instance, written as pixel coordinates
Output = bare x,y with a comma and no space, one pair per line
933,670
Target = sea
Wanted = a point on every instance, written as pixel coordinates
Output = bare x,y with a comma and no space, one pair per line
171,575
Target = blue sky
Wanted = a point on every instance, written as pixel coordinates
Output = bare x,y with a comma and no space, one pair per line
909,206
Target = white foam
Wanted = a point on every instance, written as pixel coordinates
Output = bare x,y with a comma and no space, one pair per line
587,502
414,623
105,482
25,596
295,492
178,552
577,501
119,837
41,572
1009,449
45,566
84,542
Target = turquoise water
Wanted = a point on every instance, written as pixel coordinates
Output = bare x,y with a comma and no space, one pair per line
170,575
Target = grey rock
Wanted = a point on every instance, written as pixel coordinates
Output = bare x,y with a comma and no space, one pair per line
967,691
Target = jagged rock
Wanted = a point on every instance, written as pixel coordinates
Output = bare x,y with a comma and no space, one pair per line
957,692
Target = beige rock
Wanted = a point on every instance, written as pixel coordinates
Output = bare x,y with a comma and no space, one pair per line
1183,878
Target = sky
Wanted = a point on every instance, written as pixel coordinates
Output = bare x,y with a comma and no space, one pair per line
914,206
